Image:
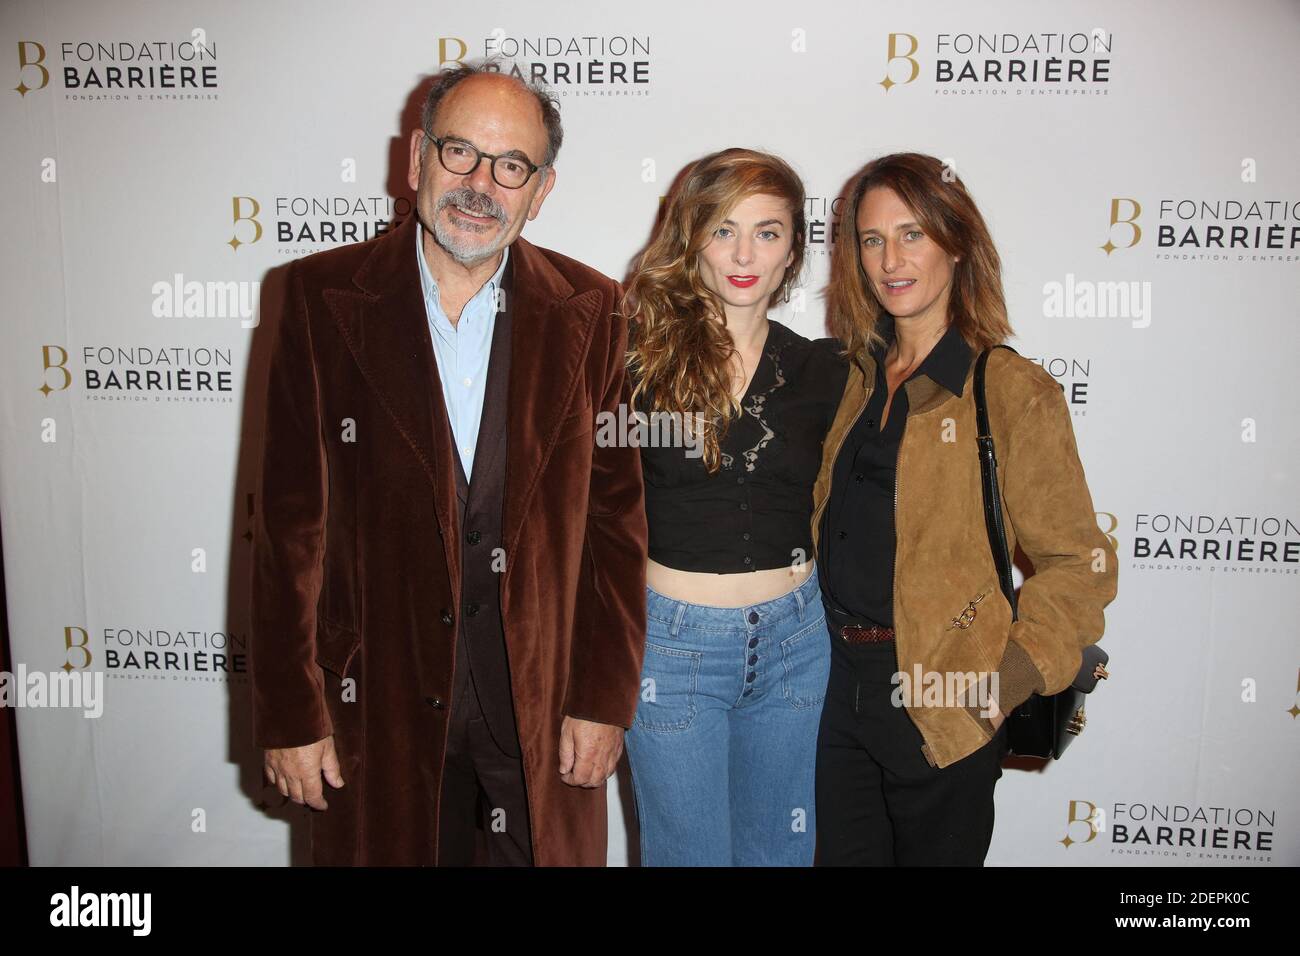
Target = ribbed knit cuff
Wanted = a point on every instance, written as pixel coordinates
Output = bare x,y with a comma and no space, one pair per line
1018,678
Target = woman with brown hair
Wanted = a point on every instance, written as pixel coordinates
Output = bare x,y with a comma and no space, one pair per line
926,660
723,746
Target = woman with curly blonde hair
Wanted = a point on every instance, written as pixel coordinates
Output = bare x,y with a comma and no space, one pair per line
723,745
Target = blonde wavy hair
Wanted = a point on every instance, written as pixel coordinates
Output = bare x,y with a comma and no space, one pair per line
680,354
949,216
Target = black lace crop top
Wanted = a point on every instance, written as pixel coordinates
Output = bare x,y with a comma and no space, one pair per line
755,512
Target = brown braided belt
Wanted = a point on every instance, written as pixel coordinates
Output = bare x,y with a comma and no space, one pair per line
856,634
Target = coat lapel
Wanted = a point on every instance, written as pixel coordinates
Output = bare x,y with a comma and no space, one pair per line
551,330
386,328
923,393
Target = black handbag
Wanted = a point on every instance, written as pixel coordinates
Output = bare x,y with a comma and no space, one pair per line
1041,726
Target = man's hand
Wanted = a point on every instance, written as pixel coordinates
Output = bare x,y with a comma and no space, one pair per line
296,771
589,751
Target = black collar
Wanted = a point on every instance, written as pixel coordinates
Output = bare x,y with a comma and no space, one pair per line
947,363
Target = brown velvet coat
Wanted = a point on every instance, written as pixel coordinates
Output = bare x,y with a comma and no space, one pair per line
357,553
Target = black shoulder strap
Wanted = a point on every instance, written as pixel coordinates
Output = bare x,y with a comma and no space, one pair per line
989,478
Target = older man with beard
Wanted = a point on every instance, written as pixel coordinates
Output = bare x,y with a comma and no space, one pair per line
449,574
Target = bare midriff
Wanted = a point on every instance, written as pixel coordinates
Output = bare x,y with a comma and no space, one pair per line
726,590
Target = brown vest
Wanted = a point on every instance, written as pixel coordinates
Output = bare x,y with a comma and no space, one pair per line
482,667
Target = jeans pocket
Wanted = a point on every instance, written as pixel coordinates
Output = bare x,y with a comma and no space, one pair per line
668,679
807,659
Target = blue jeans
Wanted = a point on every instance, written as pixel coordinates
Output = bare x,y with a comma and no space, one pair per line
724,745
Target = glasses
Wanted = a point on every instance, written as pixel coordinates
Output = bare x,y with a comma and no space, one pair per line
459,157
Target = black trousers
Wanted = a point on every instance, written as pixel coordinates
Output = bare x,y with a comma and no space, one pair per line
484,813
879,802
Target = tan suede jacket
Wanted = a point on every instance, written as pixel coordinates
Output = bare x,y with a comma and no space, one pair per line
943,561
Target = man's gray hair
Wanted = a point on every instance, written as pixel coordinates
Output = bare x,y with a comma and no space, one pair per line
445,81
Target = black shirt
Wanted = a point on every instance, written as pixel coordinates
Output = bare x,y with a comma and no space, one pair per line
857,539
754,512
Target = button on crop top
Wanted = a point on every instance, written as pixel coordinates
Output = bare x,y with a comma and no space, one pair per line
755,512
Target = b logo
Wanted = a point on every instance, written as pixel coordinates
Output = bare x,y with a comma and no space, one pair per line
445,45
895,55
72,644
24,48
1094,818
235,201
1131,222
47,356
1113,521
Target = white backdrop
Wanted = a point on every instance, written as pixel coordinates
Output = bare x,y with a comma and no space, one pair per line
127,511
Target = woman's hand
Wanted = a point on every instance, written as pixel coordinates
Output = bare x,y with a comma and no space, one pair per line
995,715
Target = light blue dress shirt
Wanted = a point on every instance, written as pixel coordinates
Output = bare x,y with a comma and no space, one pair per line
463,351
